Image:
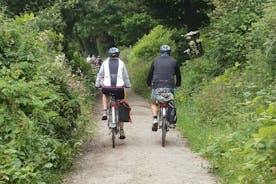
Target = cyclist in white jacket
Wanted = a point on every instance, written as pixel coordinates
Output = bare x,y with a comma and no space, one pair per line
113,78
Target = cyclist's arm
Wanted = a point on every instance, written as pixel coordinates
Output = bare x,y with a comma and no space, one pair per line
126,78
100,77
150,75
178,75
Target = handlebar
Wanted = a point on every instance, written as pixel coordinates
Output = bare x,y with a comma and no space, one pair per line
111,87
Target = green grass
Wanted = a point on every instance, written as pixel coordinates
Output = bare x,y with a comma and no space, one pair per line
198,133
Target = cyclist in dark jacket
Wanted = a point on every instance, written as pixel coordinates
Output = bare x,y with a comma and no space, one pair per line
164,74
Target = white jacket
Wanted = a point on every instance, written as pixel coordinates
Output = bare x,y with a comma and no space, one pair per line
113,73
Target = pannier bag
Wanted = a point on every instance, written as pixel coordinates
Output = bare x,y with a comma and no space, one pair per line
124,111
163,94
171,118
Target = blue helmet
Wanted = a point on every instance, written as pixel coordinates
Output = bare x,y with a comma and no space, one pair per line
114,52
165,49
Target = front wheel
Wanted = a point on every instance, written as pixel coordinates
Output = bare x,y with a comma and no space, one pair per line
164,131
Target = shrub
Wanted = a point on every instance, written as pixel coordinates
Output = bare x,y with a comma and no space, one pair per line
42,116
238,106
148,47
230,31
142,55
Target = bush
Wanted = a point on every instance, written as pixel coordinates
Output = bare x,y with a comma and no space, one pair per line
142,55
42,115
230,32
231,118
148,47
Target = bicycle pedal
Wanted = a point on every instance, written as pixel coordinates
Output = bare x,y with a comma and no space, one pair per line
172,126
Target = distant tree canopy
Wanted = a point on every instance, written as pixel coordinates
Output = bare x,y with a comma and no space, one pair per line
180,13
16,7
93,26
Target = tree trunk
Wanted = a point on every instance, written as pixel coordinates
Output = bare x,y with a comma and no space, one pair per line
188,15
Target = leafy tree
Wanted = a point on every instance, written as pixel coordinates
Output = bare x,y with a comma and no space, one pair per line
17,7
229,33
180,13
116,23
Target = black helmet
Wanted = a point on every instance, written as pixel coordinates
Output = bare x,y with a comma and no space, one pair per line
165,49
114,52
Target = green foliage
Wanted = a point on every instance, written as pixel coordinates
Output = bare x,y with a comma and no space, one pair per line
215,104
238,100
260,149
42,110
95,26
196,73
248,155
135,27
229,94
51,18
148,47
179,14
18,7
229,32
143,54
226,104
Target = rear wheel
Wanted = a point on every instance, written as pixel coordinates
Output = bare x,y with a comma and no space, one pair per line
113,131
164,131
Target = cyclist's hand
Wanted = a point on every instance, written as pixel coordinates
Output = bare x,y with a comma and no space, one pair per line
98,87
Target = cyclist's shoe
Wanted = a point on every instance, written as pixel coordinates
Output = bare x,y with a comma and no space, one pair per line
154,125
172,125
122,134
104,116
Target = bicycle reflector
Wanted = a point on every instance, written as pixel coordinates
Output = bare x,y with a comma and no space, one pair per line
114,105
164,104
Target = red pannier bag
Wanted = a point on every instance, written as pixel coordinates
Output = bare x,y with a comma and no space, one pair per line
124,111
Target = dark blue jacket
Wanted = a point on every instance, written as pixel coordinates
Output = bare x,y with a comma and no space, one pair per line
164,73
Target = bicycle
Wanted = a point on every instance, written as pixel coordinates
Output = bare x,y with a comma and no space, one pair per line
113,117
164,98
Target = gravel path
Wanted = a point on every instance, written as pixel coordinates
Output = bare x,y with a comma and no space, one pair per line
140,158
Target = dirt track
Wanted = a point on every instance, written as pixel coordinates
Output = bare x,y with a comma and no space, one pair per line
140,158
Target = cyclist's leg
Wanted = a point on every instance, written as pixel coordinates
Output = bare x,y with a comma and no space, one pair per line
154,104
122,132
105,98
154,110
104,101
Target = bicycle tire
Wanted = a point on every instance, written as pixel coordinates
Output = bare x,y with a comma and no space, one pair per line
113,137
164,131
